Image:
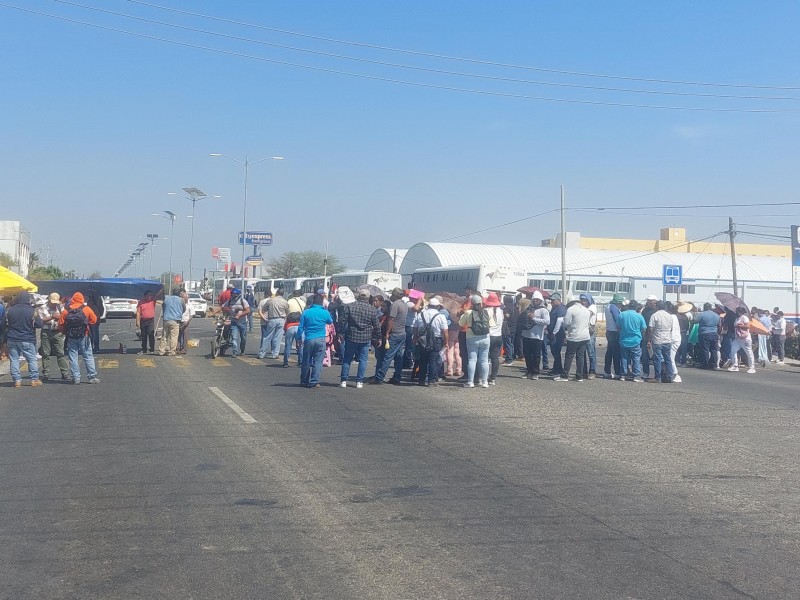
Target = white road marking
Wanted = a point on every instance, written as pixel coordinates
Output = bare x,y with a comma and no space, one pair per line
235,407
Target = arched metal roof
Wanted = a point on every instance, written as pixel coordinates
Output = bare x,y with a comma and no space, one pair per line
580,261
382,259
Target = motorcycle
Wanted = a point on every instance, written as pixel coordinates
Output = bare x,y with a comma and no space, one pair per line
222,337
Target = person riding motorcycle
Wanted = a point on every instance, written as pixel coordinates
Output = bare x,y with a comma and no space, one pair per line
237,308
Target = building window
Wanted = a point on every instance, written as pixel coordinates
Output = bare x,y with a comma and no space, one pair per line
610,287
549,284
596,287
624,287
581,286
535,282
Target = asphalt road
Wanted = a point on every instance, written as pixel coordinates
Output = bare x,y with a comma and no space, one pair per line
198,479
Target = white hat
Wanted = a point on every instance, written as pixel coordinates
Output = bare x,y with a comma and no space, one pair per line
537,295
434,302
652,297
574,298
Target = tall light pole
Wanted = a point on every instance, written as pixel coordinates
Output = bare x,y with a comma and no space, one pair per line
170,216
246,162
194,195
152,237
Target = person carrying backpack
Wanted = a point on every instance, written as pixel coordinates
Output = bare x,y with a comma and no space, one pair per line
74,323
430,336
478,321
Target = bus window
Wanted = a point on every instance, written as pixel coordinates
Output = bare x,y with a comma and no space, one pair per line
624,287
549,284
610,287
581,286
596,287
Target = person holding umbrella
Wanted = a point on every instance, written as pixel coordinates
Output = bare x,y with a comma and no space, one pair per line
741,341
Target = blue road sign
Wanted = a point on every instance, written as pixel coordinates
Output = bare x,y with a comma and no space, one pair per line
256,238
672,275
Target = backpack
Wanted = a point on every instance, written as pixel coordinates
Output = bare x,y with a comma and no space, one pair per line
480,325
75,323
425,334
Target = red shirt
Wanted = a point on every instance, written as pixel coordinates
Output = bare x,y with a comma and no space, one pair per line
224,297
147,309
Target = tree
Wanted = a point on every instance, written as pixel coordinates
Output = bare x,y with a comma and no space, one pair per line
40,273
302,264
7,261
33,261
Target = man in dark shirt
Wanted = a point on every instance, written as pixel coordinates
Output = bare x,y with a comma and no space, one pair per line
21,323
360,321
555,332
708,337
395,337
647,312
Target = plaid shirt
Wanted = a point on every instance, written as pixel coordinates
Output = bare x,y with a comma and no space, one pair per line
360,321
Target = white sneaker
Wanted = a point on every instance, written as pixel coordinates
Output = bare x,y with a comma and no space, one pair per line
780,362
727,363
469,384
751,371
677,379
359,385
559,378
733,369
343,384
485,384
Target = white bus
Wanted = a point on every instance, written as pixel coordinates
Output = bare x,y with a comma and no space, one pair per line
382,279
483,278
266,288
312,284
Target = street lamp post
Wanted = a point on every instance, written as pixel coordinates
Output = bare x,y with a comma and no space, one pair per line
170,216
152,237
246,162
194,195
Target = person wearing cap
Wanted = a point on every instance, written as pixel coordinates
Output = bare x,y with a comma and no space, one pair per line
612,338
251,300
477,343
22,321
430,359
533,325
294,310
659,341
555,332
576,327
273,312
647,311
587,300
52,340
145,321
226,294
395,338
79,346
494,308
172,314
360,323
708,323
632,330
237,308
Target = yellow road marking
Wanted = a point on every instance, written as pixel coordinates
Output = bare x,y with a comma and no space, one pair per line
180,361
250,360
107,363
220,362
145,363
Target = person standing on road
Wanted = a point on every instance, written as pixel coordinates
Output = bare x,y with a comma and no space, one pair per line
273,313
21,325
659,340
576,326
312,331
708,337
395,337
612,337
52,338
778,336
251,300
145,321
555,332
741,341
186,317
632,330
492,304
510,316
478,322
765,348
295,307
587,300
226,294
533,324
238,309
75,322
360,322
647,312
172,314
677,339
430,336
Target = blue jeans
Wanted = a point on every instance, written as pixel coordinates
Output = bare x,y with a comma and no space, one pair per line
633,357
271,334
352,349
250,322
28,350
408,358
238,336
555,348
478,353
397,346
662,355
82,347
645,359
591,348
508,348
313,355
291,335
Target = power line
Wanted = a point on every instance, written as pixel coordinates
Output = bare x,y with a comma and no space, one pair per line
547,212
463,59
401,81
427,69
678,206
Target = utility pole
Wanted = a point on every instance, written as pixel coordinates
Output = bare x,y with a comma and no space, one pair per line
732,234
563,252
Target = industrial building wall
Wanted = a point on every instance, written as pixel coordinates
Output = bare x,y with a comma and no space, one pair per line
16,242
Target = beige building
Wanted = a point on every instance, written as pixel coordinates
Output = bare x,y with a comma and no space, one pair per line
671,239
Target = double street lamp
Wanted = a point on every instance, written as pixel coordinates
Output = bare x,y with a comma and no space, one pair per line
193,195
170,216
246,162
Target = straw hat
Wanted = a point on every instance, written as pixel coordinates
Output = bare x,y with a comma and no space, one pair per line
685,307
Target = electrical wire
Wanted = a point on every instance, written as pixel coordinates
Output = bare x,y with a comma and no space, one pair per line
462,59
425,69
401,81
547,212
678,206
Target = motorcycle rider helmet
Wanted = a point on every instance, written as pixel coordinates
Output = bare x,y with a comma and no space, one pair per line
236,291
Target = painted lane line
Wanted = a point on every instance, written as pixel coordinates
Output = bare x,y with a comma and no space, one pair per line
147,363
234,407
107,363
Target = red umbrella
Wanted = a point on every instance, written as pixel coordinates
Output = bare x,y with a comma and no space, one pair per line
529,289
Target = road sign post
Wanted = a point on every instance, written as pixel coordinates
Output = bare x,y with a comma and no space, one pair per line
255,238
672,275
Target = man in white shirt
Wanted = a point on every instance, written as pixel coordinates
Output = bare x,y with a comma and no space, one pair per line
430,358
588,301
576,326
659,342
778,335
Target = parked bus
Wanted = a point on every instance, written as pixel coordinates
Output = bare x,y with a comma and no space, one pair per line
266,288
221,284
312,284
382,279
484,278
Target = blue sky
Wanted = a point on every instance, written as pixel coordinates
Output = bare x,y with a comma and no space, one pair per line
97,126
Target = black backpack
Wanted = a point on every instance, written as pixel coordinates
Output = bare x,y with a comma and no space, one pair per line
425,339
480,322
75,323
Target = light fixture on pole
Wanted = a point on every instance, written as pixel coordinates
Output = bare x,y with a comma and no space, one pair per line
194,195
170,216
152,237
246,162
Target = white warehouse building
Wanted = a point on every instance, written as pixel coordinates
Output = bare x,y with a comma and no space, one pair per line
386,259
